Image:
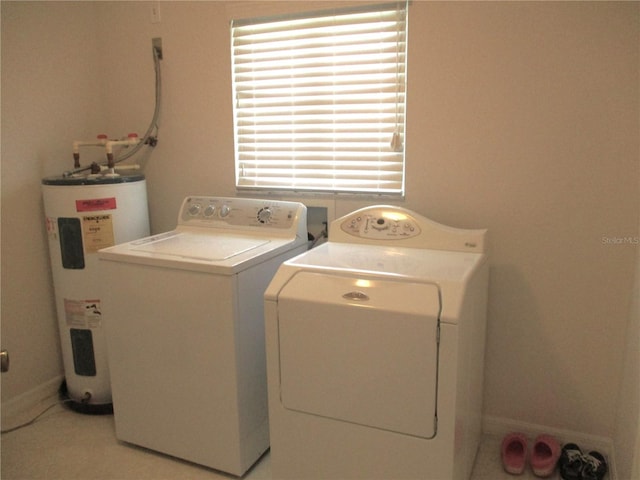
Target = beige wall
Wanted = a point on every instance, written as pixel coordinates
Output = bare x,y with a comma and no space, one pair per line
522,118
51,94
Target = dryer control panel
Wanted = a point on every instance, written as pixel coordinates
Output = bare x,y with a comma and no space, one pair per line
387,225
379,223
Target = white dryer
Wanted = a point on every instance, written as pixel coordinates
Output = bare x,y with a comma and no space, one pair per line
375,351
185,329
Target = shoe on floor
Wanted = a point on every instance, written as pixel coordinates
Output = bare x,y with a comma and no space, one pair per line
514,453
544,455
571,462
595,466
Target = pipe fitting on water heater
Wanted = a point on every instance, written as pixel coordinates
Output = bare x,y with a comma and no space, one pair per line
132,139
102,141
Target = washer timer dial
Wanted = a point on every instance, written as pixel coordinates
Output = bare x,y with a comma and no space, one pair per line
264,215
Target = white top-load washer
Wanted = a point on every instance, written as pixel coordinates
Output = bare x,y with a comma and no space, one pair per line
375,351
185,329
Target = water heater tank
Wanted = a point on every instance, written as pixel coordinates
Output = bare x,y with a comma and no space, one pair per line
83,215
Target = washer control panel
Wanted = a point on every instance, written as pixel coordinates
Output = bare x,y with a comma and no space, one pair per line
219,212
381,224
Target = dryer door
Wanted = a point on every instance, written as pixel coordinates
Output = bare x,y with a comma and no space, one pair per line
360,350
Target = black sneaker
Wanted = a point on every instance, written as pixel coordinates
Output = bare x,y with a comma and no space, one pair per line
571,462
595,466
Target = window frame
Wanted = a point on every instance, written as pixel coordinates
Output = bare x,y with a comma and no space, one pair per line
391,145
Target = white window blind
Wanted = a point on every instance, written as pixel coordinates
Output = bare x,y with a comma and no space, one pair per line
320,101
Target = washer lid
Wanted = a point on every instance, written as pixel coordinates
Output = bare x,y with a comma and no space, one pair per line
199,247
360,350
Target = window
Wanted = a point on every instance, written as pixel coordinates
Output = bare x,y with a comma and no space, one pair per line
320,101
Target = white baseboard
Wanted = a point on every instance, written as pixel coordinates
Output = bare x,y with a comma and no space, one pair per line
499,427
30,399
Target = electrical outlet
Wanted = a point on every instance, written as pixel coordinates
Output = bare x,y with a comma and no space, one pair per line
155,12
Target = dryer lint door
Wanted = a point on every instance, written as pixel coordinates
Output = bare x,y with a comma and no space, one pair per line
360,350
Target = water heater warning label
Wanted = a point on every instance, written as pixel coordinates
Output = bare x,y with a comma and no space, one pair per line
96,204
82,313
97,231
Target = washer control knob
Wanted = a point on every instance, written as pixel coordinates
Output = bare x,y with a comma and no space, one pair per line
224,210
264,215
209,211
195,209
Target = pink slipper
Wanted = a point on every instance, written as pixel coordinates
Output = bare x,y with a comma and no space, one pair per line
545,455
514,453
